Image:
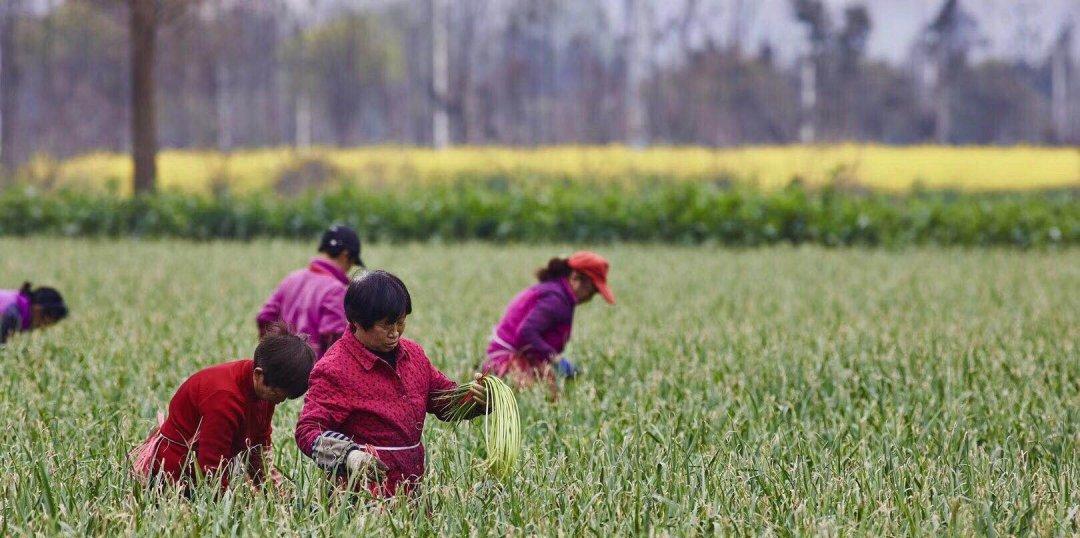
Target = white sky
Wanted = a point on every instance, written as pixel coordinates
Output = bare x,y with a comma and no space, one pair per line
1011,28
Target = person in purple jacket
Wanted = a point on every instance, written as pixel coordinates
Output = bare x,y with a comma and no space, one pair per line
527,343
29,308
311,301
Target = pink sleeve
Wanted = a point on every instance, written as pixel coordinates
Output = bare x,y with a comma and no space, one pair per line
332,313
438,383
548,311
271,311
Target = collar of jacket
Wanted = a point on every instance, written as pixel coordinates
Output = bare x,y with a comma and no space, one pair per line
326,267
365,356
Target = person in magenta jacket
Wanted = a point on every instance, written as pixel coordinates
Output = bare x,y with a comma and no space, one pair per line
527,343
311,301
29,308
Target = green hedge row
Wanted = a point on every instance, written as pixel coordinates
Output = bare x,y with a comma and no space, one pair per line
684,213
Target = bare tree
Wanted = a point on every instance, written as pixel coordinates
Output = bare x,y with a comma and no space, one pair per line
949,39
440,75
222,87
737,24
851,49
812,14
251,73
9,83
1060,78
146,17
638,34
466,103
143,28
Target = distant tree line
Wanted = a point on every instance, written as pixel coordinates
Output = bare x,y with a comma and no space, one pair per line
227,74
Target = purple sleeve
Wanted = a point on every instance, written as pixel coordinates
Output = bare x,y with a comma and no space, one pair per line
9,323
549,310
439,383
332,320
271,311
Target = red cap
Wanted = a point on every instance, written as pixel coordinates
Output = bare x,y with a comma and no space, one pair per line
595,267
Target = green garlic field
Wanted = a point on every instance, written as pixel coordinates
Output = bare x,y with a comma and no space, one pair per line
782,390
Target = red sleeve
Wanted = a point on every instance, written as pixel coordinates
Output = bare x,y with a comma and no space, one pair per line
260,448
266,433
323,409
438,383
222,412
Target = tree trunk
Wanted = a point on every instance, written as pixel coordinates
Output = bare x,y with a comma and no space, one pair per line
808,99
440,75
635,74
223,105
737,29
303,121
1059,90
9,87
468,102
943,77
143,129
281,86
942,111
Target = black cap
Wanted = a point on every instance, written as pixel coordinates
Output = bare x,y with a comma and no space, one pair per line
338,238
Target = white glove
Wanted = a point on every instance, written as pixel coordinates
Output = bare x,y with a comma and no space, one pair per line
359,461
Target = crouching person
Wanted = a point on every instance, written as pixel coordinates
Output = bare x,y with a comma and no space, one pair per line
370,393
29,308
221,416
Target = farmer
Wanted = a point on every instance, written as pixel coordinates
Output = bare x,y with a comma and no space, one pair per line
363,418
310,300
220,417
29,308
527,343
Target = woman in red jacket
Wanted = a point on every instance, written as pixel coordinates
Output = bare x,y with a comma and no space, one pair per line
371,393
222,414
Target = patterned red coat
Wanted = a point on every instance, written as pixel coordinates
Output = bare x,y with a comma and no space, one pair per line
357,400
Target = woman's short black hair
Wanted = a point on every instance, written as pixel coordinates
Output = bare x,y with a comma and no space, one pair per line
286,359
51,302
376,296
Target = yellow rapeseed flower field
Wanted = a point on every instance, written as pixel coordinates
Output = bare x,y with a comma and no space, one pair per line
888,168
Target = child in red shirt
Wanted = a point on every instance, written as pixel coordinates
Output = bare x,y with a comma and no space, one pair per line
222,414
371,392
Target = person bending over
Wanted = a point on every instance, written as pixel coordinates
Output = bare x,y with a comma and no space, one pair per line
221,415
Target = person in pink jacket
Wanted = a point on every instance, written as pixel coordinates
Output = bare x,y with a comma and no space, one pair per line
527,344
29,308
311,301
